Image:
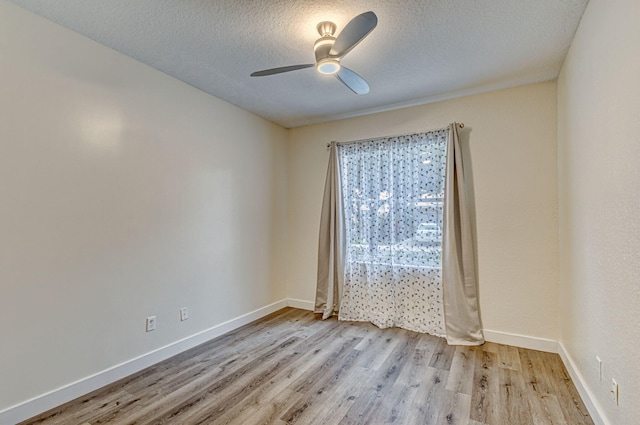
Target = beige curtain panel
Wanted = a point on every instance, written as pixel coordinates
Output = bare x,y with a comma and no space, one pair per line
331,245
462,317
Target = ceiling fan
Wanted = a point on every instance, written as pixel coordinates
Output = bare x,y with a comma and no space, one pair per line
330,50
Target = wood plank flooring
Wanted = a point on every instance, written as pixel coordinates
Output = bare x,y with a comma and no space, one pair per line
291,368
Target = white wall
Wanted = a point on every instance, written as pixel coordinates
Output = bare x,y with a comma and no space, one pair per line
599,192
124,193
510,137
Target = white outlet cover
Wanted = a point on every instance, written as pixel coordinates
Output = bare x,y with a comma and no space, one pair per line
614,391
184,313
151,323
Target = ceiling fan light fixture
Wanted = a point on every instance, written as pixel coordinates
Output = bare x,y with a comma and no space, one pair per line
328,66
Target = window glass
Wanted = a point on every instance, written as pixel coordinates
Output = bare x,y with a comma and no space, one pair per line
393,191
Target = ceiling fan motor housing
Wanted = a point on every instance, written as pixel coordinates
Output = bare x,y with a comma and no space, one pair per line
322,47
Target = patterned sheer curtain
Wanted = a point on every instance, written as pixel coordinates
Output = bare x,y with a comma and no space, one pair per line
392,193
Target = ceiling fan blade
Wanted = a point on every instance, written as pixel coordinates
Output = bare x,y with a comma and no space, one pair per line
282,69
352,80
355,31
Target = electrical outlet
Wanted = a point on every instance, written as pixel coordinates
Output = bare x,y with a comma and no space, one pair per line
614,391
151,323
184,314
599,370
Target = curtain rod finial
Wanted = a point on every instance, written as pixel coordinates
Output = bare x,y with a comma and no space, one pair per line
461,125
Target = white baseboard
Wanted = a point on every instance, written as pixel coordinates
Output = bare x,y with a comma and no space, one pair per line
44,402
522,341
301,304
598,416
516,340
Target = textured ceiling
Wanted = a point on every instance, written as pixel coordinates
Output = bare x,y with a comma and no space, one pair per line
420,51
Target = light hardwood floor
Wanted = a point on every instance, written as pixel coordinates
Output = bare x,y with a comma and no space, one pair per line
291,368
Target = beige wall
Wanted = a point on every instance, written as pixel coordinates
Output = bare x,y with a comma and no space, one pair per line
125,193
510,138
599,192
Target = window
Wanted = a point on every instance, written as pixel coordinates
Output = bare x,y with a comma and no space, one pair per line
393,193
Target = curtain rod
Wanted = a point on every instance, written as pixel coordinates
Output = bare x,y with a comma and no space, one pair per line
397,135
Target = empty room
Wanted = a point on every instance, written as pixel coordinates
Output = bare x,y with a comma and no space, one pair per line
319,212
